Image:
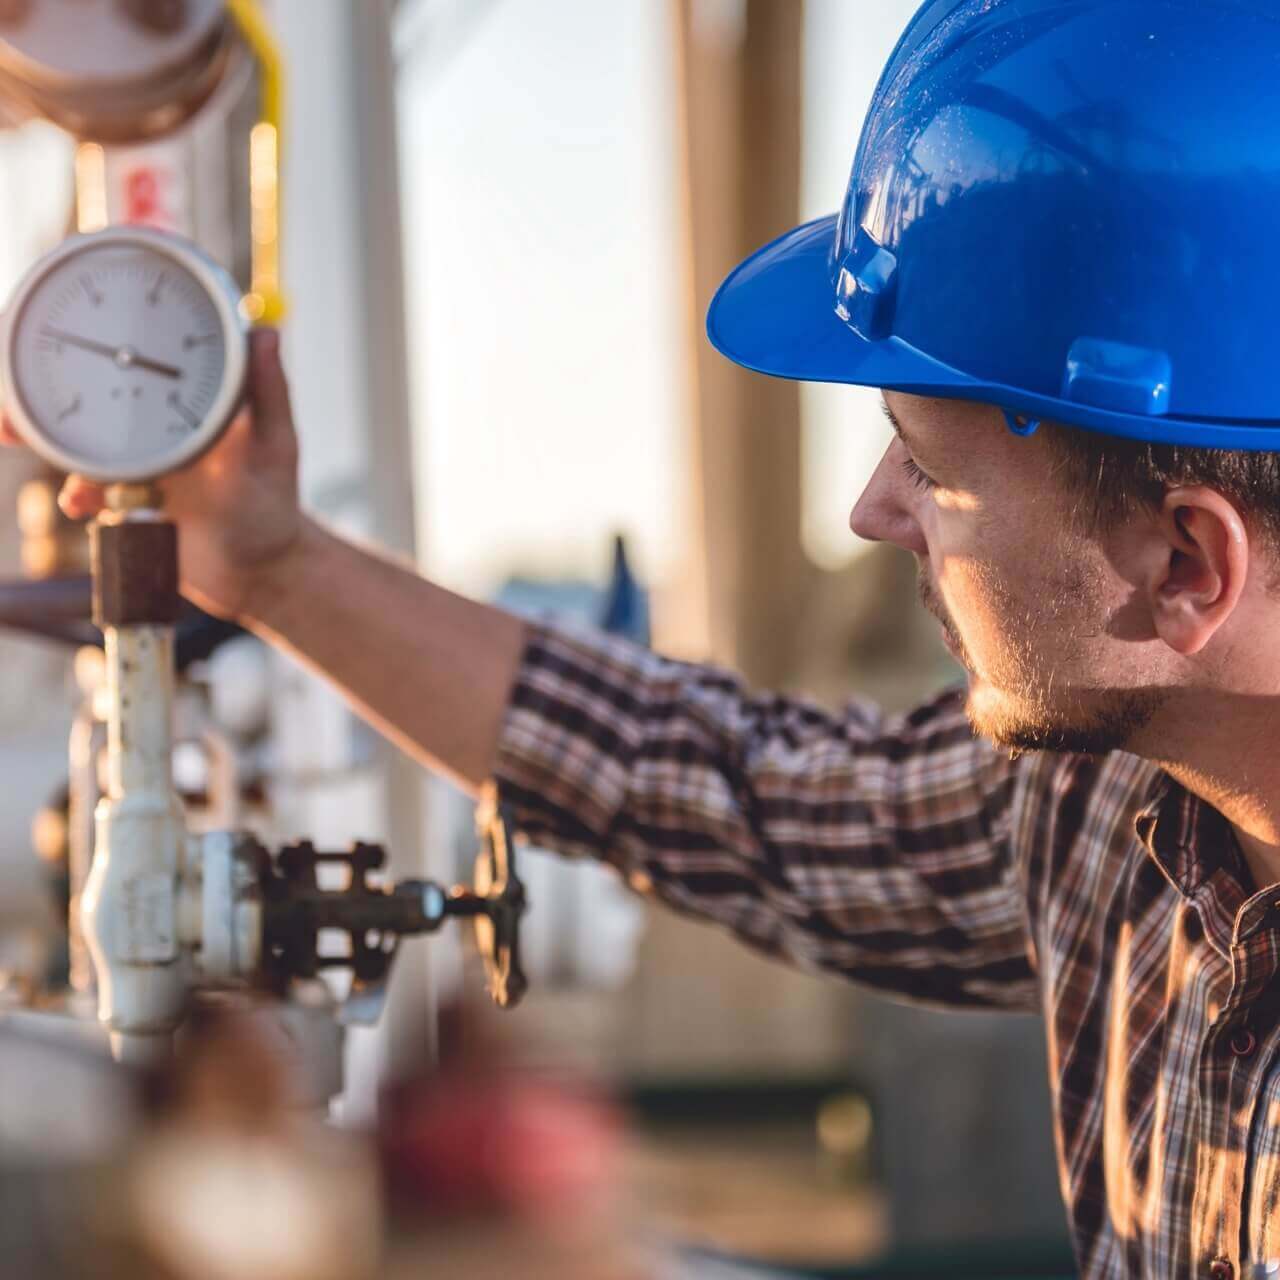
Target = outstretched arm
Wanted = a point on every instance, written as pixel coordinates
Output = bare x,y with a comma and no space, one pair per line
430,669
873,847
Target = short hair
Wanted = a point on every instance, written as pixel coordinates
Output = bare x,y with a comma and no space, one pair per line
1111,479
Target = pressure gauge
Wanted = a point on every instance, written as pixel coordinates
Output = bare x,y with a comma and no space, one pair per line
124,355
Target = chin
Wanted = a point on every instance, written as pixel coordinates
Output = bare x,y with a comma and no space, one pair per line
1020,724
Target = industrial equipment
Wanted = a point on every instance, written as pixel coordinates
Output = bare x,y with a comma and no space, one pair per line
124,354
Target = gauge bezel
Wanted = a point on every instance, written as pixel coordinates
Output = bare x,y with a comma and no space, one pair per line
222,292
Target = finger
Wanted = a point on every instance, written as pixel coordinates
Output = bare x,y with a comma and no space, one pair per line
8,432
80,498
268,386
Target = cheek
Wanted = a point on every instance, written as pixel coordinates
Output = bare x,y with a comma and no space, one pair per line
995,591
964,561
980,603
1020,607
999,564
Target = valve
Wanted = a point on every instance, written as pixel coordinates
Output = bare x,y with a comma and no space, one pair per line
296,909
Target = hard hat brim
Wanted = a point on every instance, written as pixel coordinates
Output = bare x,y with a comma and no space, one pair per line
776,315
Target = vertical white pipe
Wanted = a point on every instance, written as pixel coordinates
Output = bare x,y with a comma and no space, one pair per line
85,745
129,908
139,731
343,271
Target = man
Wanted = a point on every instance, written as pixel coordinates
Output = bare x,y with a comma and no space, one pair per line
1058,258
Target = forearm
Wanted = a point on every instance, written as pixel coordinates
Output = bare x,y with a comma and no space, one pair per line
433,671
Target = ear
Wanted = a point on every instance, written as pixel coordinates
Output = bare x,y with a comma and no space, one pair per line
1199,572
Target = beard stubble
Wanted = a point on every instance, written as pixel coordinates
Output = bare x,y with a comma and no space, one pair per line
1031,707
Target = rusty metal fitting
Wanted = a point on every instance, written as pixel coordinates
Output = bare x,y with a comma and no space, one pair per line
135,573
163,16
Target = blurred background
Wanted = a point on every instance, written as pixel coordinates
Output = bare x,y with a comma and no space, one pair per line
503,221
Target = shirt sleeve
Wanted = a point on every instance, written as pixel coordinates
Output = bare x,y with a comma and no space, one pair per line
876,847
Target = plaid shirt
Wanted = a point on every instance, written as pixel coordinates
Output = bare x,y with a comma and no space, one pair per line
908,855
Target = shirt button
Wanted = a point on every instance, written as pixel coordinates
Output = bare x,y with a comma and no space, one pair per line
1221,1269
1243,1043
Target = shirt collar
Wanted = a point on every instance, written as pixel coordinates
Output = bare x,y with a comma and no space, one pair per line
1197,849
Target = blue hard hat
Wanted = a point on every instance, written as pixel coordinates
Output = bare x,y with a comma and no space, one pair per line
1067,208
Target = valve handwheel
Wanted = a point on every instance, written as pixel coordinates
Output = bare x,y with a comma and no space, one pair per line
297,911
499,887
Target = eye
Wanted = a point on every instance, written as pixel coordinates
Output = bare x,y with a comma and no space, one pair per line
918,477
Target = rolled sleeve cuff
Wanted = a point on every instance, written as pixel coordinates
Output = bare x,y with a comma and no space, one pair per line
572,729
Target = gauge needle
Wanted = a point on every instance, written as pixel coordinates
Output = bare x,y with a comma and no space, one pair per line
125,357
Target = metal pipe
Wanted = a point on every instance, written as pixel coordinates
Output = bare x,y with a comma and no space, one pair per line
88,736
129,907
50,600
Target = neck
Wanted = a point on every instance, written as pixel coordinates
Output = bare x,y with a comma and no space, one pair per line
1224,751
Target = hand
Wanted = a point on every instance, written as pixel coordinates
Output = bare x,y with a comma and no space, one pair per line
237,506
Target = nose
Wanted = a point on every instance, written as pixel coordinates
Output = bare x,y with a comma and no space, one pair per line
885,512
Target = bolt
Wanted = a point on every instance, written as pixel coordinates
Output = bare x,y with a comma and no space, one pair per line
433,902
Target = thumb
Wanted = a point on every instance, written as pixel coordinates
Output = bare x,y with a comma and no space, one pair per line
268,386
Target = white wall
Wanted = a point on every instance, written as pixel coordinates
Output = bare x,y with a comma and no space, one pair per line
344,348
543,264
847,43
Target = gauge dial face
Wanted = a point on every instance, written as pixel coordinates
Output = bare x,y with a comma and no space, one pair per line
121,354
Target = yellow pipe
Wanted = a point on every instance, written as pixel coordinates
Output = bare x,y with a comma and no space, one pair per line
266,302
